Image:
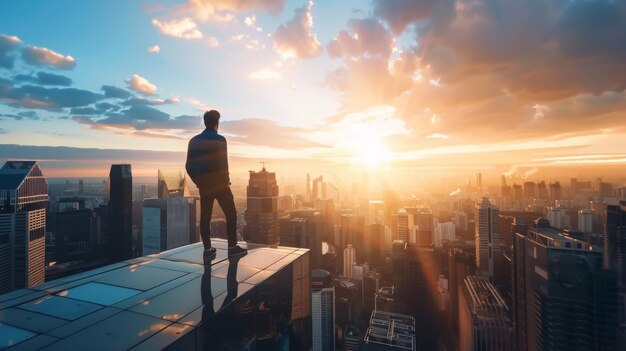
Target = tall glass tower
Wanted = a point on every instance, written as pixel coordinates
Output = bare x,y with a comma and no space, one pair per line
23,202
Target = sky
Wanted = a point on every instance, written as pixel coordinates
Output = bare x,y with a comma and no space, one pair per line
406,84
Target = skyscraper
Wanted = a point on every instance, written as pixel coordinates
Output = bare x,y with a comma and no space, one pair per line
349,258
165,224
121,212
303,228
23,201
562,297
487,236
262,211
323,311
585,221
172,183
423,226
405,225
483,317
614,252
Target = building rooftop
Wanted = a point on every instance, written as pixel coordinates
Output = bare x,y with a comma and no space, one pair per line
157,301
13,173
482,297
391,331
552,237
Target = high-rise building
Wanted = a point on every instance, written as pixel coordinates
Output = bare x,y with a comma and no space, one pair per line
81,187
555,191
530,190
23,201
414,277
165,224
322,310
479,181
121,212
172,183
614,251
262,212
542,190
562,297
484,324
71,229
423,229
558,217
303,228
487,237
585,221
377,248
349,258
444,232
405,224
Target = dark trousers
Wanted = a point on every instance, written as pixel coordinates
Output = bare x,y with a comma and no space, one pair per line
226,201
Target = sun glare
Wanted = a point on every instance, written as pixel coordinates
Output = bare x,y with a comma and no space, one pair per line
373,154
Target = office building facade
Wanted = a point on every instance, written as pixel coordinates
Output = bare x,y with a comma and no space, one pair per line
322,311
563,299
487,237
121,212
261,215
23,201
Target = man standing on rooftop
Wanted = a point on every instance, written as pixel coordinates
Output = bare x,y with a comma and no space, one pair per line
207,165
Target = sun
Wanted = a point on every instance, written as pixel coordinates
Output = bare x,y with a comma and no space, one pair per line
374,154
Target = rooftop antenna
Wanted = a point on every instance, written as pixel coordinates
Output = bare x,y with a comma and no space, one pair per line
263,163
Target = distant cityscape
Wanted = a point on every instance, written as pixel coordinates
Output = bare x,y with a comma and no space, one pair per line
521,265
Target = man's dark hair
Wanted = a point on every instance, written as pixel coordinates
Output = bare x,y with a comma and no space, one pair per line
211,118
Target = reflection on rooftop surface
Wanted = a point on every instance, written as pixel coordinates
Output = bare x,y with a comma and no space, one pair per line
172,300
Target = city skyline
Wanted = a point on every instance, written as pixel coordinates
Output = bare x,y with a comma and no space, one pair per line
370,85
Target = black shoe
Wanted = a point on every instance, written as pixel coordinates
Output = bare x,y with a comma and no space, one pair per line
209,255
236,251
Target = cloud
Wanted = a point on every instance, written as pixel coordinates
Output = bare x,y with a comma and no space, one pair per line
217,10
44,78
212,42
141,85
139,101
38,56
265,74
295,38
31,96
8,44
183,28
400,13
366,36
112,92
154,49
198,104
264,132
140,117
250,22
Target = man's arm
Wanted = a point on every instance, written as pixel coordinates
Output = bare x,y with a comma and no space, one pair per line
224,161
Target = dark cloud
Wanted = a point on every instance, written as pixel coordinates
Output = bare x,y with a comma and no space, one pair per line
31,96
140,117
105,106
8,44
85,111
20,115
44,78
112,92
